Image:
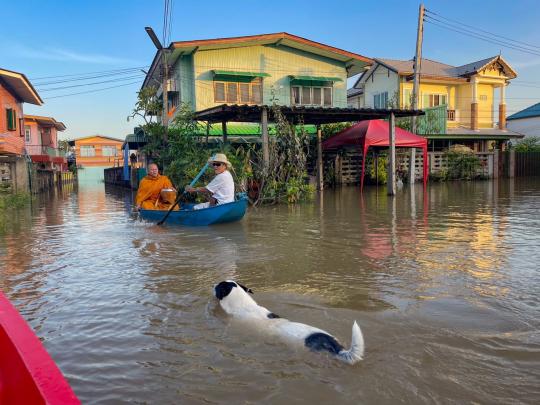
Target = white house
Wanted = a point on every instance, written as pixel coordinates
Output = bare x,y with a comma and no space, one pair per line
526,122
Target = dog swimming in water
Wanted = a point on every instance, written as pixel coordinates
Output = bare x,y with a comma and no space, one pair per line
235,300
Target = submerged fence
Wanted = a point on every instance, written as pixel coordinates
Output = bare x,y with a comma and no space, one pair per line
526,163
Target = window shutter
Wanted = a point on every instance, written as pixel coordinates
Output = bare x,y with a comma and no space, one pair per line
295,95
244,93
317,95
219,92
306,95
327,92
232,92
256,93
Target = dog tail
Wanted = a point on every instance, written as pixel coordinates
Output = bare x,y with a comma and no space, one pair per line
356,352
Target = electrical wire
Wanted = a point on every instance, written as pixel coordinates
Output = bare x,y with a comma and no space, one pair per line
481,30
92,91
89,73
93,83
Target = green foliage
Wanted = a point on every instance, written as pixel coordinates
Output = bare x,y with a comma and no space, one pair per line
331,129
529,144
380,174
148,105
285,178
462,165
13,200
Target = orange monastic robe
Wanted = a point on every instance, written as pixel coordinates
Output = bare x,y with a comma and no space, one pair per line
148,193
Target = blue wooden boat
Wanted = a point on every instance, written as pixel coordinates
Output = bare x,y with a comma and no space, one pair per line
217,214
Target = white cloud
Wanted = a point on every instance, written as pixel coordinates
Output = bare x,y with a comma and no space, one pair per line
64,55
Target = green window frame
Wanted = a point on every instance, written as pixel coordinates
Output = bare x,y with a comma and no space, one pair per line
11,119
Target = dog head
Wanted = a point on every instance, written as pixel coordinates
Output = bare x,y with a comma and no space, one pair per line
233,296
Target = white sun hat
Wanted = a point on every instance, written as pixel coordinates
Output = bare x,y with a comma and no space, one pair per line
220,157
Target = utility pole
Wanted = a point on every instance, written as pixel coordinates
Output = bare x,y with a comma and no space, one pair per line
165,74
416,87
417,63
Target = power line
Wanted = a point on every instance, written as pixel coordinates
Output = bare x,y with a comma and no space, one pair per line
481,30
131,72
482,37
88,73
92,91
93,83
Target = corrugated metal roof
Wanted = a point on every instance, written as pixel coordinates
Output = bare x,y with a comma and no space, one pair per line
529,112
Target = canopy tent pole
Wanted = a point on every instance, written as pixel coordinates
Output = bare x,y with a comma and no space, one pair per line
320,179
391,185
364,154
426,164
412,165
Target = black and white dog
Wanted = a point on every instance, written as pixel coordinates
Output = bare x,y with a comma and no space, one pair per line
235,301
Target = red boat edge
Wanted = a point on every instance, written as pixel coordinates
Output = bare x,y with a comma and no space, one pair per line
28,375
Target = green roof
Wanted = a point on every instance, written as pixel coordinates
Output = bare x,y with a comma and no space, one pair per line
248,130
529,112
228,73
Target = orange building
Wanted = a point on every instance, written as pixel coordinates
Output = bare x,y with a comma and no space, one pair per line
41,140
97,151
15,89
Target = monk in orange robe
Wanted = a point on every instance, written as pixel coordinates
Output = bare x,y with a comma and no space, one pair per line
148,194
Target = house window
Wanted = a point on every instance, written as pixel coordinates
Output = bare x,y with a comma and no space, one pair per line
88,150
11,119
109,151
380,100
434,100
238,92
173,98
310,95
27,134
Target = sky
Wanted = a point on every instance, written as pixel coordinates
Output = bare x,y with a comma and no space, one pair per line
52,38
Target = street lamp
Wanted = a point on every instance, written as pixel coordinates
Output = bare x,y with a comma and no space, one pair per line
160,48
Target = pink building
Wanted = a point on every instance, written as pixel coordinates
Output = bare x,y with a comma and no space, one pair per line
41,142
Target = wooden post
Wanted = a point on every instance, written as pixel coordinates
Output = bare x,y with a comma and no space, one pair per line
320,178
512,163
417,65
391,178
224,130
165,95
264,134
496,164
412,166
207,131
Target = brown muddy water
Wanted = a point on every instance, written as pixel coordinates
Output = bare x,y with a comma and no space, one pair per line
445,286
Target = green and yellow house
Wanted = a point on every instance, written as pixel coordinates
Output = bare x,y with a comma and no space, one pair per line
255,70
461,98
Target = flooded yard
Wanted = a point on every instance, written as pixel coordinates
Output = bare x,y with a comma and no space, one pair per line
445,286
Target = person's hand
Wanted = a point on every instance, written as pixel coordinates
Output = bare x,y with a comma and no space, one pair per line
190,189
138,208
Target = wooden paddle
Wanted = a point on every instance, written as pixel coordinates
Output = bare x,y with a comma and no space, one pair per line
195,180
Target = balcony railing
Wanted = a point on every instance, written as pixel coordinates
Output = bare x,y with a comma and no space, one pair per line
451,115
41,150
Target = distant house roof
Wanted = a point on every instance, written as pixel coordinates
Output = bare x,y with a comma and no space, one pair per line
434,69
354,92
354,62
45,121
72,142
17,84
529,112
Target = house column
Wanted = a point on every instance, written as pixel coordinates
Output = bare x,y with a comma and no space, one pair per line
502,108
391,184
264,133
474,105
320,176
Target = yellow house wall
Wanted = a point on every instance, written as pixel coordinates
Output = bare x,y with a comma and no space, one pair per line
485,107
98,160
278,61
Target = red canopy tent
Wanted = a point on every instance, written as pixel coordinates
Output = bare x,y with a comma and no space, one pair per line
376,133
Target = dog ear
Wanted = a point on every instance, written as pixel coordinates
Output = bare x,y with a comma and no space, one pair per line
223,289
248,290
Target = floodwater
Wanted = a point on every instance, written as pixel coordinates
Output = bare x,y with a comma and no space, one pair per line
445,286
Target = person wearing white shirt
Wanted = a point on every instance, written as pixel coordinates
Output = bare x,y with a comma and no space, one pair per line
221,189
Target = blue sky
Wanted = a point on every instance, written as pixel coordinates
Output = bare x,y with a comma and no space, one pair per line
48,38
